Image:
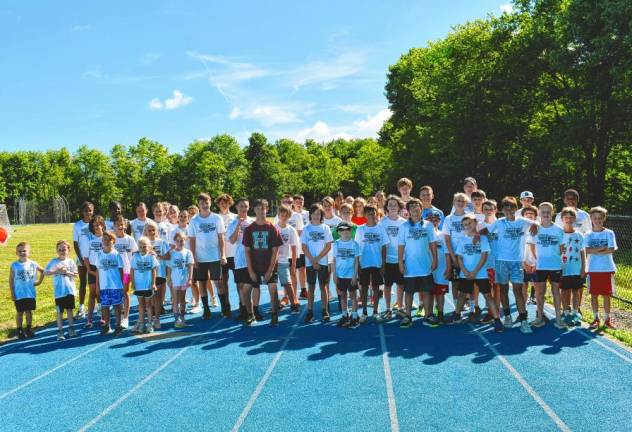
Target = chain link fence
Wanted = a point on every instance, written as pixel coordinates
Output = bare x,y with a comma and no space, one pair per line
622,227
55,210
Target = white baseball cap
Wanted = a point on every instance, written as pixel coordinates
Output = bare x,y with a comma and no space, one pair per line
526,194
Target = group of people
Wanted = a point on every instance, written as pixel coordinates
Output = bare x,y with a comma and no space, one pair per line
361,248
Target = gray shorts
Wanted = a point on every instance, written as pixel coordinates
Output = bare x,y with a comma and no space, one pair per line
283,270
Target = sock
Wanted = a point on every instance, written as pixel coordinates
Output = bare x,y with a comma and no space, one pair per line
472,306
205,302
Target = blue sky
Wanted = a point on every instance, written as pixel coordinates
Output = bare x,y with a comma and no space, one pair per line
105,73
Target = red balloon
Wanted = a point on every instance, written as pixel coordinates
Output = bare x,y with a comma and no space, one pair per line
4,235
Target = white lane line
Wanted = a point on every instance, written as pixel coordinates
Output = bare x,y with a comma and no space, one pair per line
534,395
50,371
581,331
392,407
266,376
145,380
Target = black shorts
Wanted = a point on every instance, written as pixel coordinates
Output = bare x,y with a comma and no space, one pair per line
392,275
242,276
25,304
160,280
529,277
92,279
66,302
550,275
467,285
346,285
419,283
144,293
572,282
274,279
230,265
300,261
371,275
322,274
208,270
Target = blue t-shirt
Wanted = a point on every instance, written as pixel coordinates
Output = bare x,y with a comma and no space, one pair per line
24,278
471,254
179,265
345,253
143,266
572,254
442,260
371,240
425,212
63,285
161,248
511,237
109,266
547,247
416,240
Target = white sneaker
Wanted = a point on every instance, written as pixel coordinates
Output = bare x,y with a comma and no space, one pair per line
538,322
508,323
125,323
525,328
81,314
213,302
196,309
363,318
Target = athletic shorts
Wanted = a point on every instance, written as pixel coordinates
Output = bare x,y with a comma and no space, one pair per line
491,276
92,279
260,279
529,277
507,271
553,276
283,270
371,275
345,284
392,275
65,302
160,280
601,283
144,293
322,274
242,276
300,261
572,282
467,285
418,284
111,297
440,289
208,270
25,304
230,265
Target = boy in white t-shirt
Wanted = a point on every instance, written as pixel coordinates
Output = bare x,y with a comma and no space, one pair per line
332,221
345,268
453,230
80,231
125,245
235,233
287,256
298,202
22,283
530,213
573,268
224,202
64,270
600,245
441,275
110,283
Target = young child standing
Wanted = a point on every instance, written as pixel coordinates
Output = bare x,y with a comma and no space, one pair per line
235,234
529,213
287,256
600,244
22,282
125,245
144,267
441,275
64,270
137,226
391,225
345,268
80,231
109,281
91,247
161,250
453,230
573,268
224,202
181,265
489,210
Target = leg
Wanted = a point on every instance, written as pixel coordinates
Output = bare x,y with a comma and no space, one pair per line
354,301
520,300
291,293
246,298
491,305
594,302
83,279
274,297
126,301
606,304
364,296
409,303
400,295
540,292
181,295
105,315
428,298
439,300
60,318
91,300
324,291
71,318
504,298
141,311
18,319
557,302
118,312
387,296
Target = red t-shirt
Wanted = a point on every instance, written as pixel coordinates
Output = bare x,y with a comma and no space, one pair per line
358,220
261,239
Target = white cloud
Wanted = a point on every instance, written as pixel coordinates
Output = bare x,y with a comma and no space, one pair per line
149,58
177,100
326,73
372,124
267,115
507,8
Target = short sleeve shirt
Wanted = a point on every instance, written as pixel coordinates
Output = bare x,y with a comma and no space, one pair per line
108,266
261,239
206,231
290,238
345,253
63,285
391,227
24,278
471,253
316,237
598,239
416,239
179,263
371,240
547,247
143,266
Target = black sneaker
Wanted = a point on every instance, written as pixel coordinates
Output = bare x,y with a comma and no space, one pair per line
274,321
258,315
343,322
487,318
29,333
105,330
21,334
326,318
118,330
294,309
433,321
354,323
206,315
249,320
309,317
498,326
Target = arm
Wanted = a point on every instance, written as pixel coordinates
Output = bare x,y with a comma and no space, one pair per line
235,235
462,267
41,276
383,268
335,273
433,253
293,254
11,284
448,245
273,262
356,270
192,246
323,252
222,249
75,246
448,268
251,270
583,261
400,259
131,278
154,273
190,275
309,256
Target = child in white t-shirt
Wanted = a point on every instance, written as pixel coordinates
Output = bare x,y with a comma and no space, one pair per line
573,268
286,260
181,265
22,283
441,275
64,270
161,249
125,245
529,213
453,230
110,283
137,226
345,268
91,245
144,267
80,230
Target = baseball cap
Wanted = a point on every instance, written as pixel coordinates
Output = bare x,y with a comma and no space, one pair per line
343,226
433,214
526,194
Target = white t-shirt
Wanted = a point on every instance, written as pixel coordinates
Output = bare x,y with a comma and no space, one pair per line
371,240
163,230
126,246
137,227
452,227
143,266
228,246
91,247
178,263
442,260
511,238
305,215
582,222
600,263
176,229
316,237
416,240
63,285
345,253
391,227
547,247
296,222
108,265
572,254
80,230
206,231
290,238
240,249
24,278
471,253
161,248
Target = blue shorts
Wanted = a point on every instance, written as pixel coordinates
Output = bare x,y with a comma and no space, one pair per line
283,270
507,271
111,297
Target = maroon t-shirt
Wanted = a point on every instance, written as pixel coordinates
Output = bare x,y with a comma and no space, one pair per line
261,239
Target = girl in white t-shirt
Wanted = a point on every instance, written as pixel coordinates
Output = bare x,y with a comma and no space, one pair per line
125,245
64,270
161,250
144,267
181,266
92,245
80,230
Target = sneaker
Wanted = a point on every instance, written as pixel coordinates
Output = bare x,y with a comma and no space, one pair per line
608,324
156,324
105,330
525,328
20,334
432,321
207,314
125,323
354,323
406,323
148,328
401,313
487,318
326,318
363,318
249,320
508,323
384,317
284,301
294,308
258,315
213,302
196,309
303,294
538,322
343,322
456,318
81,313
274,320
88,324
559,324
568,319
595,324
179,324
29,333
395,307
309,317
420,312
71,332
138,328
60,335
577,319
498,326
118,330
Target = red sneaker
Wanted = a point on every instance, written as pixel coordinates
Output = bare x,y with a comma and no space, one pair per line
595,324
608,324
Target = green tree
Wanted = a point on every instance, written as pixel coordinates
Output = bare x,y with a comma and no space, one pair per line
265,168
